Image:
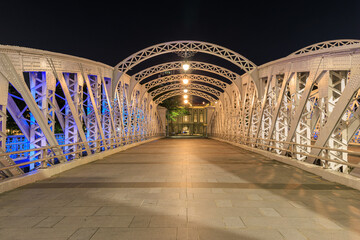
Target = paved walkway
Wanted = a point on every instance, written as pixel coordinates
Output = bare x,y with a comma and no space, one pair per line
182,189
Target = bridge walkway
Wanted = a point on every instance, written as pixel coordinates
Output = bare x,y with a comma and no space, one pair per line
182,189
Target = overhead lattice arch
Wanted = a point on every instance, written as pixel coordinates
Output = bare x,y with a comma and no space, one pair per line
181,46
191,77
181,92
191,46
195,86
326,46
177,65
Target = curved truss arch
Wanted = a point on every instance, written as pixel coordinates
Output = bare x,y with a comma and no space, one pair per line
326,45
180,92
191,77
194,65
189,86
191,46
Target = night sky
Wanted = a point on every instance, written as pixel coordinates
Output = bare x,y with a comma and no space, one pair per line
109,32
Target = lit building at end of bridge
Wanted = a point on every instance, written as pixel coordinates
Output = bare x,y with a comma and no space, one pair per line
193,123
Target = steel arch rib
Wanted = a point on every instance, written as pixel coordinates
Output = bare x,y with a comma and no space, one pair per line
327,45
200,87
177,65
191,77
192,46
180,92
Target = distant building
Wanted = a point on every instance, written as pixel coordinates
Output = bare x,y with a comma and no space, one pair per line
193,124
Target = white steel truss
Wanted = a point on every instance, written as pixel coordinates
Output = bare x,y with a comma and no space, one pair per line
76,94
181,92
191,46
180,77
194,86
304,106
194,65
325,46
185,46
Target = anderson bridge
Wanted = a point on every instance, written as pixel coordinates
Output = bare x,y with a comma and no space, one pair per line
302,110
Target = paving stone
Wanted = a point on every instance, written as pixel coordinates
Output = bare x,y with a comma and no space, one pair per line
23,222
223,203
83,234
320,234
140,221
292,234
328,224
66,211
49,222
197,221
149,202
269,212
36,233
168,221
217,190
233,222
281,222
236,234
135,234
254,197
187,234
95,221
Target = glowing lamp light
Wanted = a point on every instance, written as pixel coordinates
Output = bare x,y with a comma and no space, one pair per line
216,102
185,90
186,101
185,81
185,96
186,66
203,102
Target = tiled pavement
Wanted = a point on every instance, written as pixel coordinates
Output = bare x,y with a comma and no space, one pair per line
182,189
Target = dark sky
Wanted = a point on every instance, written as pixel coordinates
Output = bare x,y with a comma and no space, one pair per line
109,32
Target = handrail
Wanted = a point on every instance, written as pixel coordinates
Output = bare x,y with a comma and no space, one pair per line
112,145
293,145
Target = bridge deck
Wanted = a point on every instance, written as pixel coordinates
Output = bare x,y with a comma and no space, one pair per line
182,189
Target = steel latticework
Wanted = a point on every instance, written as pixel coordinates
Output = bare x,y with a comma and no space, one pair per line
304,106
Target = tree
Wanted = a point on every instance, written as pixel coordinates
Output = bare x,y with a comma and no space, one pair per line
174,108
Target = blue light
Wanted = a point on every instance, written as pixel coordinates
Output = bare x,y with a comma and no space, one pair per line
16,143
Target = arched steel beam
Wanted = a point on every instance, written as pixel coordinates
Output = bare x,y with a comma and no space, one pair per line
188,86
194,65
325,46
181,92
192,77
181,46
190,46
180,77
207,89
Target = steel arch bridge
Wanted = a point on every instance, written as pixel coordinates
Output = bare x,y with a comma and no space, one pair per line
304,106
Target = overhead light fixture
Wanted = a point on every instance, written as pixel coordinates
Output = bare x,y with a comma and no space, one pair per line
185,81
186,66
185,90
203,102
186,101
185,96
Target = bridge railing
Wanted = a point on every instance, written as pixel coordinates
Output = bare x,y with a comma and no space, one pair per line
49,158
292,149
16,143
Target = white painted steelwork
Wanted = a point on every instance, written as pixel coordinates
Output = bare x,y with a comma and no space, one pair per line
305,105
